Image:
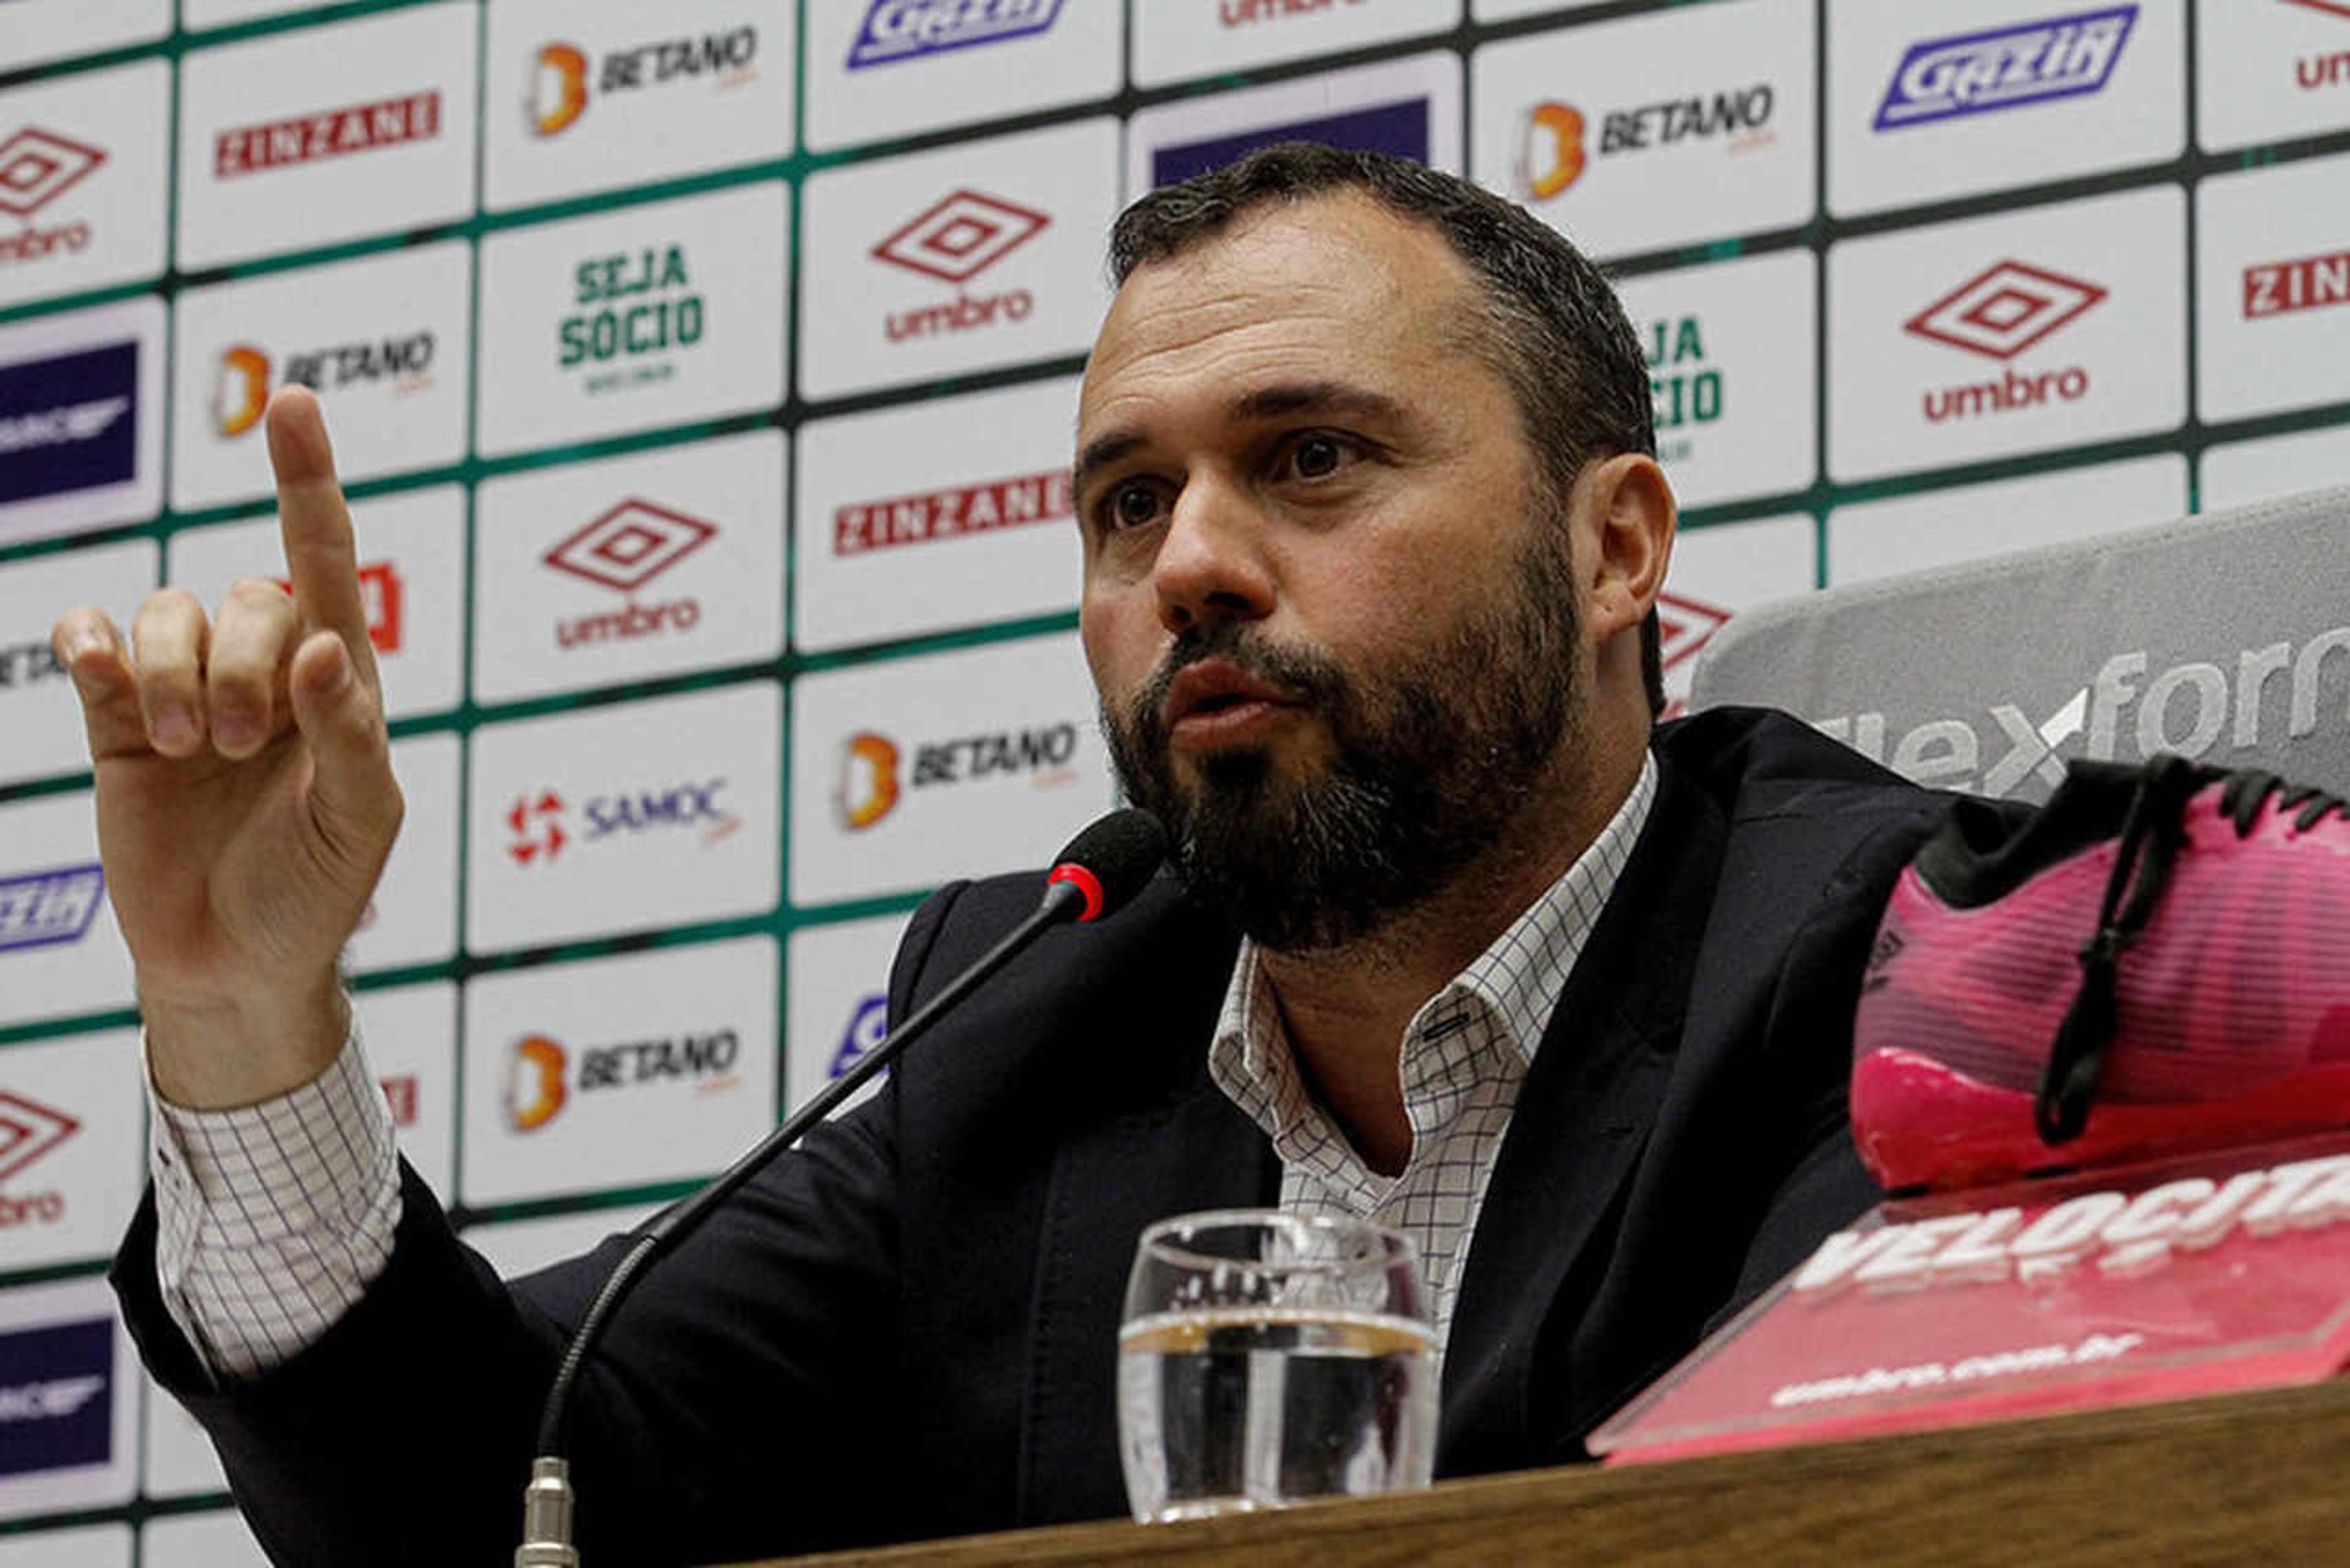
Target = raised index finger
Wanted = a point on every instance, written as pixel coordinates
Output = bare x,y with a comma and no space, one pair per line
321,556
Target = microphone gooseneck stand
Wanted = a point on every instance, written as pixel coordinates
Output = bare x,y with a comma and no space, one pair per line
1101,869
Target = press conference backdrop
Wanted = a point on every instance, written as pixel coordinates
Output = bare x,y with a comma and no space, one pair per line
704,377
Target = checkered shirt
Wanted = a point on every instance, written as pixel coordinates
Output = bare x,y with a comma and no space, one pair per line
1461,1061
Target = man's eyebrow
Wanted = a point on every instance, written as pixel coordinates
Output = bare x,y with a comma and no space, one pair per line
1263,403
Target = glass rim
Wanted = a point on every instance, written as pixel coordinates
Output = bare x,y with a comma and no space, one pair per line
1154,1242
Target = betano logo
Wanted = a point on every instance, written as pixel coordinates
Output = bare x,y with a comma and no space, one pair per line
951,513
1999,313
241,388
624,549
28,1130
540,1082
896,30
1949,751
560,72
2274,288
1552,155
953,240
36,167
2005,67
869,786
326,133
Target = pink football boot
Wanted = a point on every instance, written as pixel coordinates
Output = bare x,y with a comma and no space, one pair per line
2156,962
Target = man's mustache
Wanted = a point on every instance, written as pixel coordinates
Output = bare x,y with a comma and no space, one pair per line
1311,677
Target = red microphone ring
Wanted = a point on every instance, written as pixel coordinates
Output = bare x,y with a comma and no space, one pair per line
1085,882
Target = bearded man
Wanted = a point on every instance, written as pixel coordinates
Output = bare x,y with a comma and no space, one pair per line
1457,938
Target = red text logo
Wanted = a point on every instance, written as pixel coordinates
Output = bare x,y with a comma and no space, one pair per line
329,133
949,513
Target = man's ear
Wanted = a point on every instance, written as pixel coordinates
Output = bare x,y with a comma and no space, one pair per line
1631,517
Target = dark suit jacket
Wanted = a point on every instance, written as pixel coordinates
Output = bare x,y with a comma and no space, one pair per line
907,1327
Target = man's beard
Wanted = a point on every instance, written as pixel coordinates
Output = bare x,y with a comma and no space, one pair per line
1434,757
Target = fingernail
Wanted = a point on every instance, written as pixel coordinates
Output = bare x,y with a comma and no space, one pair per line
174,726
337,675
235,727
81,640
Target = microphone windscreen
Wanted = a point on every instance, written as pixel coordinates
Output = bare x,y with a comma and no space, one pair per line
1121,850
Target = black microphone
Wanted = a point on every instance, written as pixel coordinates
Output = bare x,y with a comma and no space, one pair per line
1102,868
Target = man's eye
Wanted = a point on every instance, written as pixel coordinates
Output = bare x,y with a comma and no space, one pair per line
1132,506
1317,456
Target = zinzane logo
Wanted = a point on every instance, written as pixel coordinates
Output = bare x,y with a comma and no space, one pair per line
951,513
624,549
560,72
1999,313
329,133
2004,68
896,30
959,238
2275,288
1241,12
2190,708
36,167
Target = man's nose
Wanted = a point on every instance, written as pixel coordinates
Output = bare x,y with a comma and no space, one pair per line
1212,563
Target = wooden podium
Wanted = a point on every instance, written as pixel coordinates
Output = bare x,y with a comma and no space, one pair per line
2247,1478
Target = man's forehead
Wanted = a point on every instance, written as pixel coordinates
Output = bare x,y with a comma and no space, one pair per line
1339,268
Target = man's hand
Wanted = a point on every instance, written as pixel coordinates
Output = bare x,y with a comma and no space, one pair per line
246,802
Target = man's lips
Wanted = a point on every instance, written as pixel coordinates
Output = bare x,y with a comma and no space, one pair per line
1215,700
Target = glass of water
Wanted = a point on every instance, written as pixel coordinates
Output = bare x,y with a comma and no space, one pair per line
1267,1358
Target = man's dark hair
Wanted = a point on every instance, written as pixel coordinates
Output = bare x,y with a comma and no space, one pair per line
1550,328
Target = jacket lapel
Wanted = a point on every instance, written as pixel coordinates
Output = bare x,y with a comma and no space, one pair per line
1197,1152
1582,1122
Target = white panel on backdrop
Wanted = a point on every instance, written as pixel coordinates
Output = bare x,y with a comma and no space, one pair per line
836,1000
81,419
80,1449
218,1539
412,550
195,14
1733,355
523,1246
954,765
1175,40
2237,472
934,516
2272,288
977,255
72,1159
60,951
383,340
1506,10
1410,107
593,95
2015,333
329,133
892,67
652,564
179,1458
410,1036
653,1067
1933,98
2271,70
43,30
1722,569
1968,521
84,165
39,713
91,1546
647,315
412,919
1690,124
625,817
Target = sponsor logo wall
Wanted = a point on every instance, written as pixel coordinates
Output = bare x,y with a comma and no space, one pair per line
704,378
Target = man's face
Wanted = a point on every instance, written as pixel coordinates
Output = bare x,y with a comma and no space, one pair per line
1328,602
